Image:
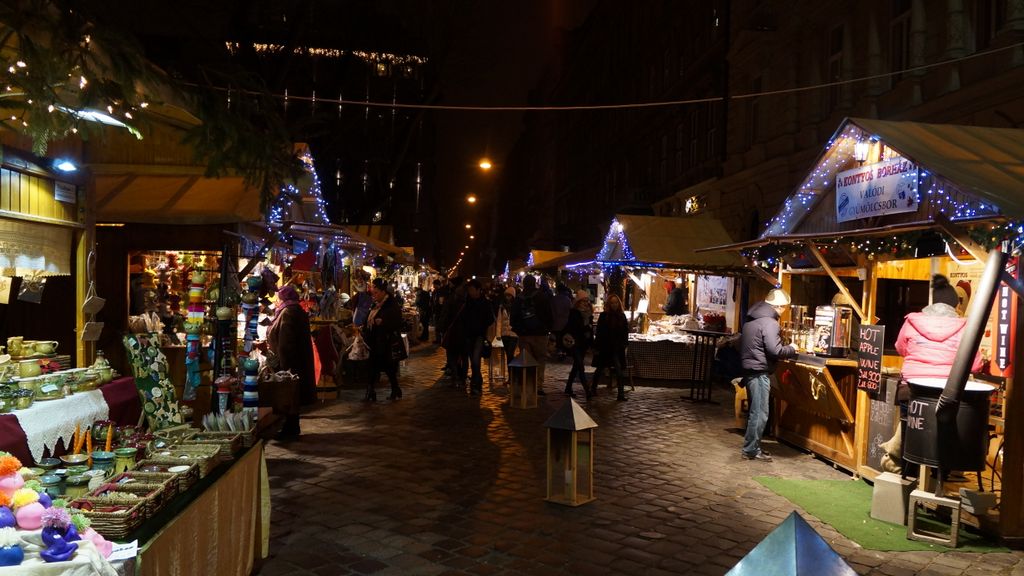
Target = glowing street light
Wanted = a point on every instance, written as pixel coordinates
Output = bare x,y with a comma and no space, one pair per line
469,226
466,246
471,199
471,237
485,164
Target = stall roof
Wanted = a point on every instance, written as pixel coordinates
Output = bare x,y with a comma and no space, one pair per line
171,194
985,164
315,231
988,162
572,258
669,242
540,258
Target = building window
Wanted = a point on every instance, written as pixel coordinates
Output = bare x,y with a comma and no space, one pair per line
989,20
899,38
835,66
754,111
663,161
694,140
680,144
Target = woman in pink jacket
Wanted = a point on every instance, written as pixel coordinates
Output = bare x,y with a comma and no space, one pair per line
928,339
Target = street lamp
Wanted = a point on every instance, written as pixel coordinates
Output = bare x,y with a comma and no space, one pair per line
469,226
471,199
471,237
485,164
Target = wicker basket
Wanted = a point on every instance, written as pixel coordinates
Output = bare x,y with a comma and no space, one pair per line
228,442
169,480
113,525
153,496
206,456
185,479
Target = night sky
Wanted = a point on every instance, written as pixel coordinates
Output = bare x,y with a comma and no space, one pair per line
483,53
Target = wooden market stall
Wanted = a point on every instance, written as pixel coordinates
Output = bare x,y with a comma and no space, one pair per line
638,254
886,206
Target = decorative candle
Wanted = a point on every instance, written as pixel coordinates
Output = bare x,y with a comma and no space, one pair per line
110,436
88,441
74,441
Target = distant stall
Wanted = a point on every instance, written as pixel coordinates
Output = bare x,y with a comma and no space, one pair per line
639,254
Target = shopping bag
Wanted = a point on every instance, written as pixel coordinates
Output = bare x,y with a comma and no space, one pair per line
398,351
92,303
91,331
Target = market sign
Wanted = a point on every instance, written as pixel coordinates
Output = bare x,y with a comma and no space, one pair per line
869,358
1004,319
876,190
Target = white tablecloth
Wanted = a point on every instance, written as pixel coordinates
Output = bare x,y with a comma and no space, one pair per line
87,561
48,421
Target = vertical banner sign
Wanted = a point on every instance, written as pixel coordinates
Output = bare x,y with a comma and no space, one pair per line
876,190
869,358
1004,319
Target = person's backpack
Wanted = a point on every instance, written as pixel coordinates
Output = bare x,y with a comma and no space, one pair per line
529,320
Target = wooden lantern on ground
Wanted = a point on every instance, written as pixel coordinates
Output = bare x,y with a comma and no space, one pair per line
523,376
496,369
570,471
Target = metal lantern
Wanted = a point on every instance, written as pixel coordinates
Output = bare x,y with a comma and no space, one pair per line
570,470
523,384
496,362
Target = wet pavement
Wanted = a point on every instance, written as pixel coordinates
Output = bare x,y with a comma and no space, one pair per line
441,482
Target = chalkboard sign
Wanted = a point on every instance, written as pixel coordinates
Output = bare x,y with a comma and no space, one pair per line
869,358
882,420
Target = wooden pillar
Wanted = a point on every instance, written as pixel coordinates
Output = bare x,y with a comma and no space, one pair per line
84,243
1011,509
862,413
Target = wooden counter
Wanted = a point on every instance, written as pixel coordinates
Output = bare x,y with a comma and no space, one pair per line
816,408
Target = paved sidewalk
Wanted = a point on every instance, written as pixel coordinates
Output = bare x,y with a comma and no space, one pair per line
440,482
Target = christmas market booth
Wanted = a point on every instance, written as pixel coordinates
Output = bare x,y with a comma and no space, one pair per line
180,315
639,256
886,208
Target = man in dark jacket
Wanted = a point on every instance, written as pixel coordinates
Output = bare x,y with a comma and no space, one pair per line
477,317
760,347
531,321
676,303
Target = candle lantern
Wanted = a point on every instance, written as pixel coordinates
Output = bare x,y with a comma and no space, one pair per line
570,470
522,390
496,362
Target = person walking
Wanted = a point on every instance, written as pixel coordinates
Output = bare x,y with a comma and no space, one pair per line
453,338
611,338
760,348
477,316
561,303
503,325
290,340
531,321
437,300
576,341
383,327
423,307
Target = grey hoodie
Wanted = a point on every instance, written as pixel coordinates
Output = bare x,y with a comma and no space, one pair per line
761,342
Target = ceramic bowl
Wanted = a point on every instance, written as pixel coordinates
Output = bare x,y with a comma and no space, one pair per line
74,459
49,463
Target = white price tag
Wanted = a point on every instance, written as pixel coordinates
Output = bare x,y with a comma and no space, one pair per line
124,551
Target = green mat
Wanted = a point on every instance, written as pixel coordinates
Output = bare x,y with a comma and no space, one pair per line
846,506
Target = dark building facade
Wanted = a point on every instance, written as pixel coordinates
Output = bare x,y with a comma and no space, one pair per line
779,78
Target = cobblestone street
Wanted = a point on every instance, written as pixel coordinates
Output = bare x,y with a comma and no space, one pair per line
441,482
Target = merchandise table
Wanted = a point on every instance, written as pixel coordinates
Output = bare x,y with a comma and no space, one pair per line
219,527
673,360
816,407
119,397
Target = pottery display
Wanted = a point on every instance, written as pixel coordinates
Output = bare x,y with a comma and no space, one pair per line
46,347
14,345
29,368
